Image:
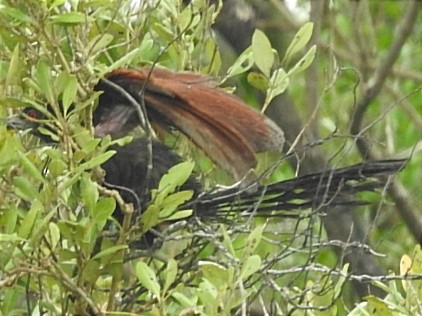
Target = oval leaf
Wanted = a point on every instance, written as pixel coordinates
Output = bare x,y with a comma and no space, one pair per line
173,201
258,81
300,40
176,176
242,64
69,92
69,18
30,168
94,162
253,241
251,265
180,215
25,188
109,251
28,222
148,278
171,273
262,52
304,62
14,65
44,80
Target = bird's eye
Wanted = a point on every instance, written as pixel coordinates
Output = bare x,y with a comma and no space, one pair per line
33,114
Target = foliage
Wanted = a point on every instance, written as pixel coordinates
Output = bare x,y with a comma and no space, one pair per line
261,54
61,250
407,302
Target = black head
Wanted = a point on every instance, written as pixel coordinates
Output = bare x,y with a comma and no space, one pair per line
117,121
30,119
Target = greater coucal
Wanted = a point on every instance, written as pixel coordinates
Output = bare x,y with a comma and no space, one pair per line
128,167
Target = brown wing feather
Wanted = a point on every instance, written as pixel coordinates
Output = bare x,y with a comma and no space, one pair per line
226,148
259,131
227,130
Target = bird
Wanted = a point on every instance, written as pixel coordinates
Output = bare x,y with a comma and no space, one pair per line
137,167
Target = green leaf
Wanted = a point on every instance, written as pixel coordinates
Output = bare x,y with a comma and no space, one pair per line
89,192
28,222
342,279
100,41
56,3
211,57
377,307
56,167
215,273
243,63
417,260
13,72
53,235
11,297
8,220
69,18
103,209
126,59
44,131
109,251
279,82
304,62
30,168
258,81
10,238
262,52
180,215
173,201
95,162
250,266
253,241
150,217
175,177
147,278
25,188
14,14
146,45
121,141
43,225
69,92
208,293
170,275
44,80
300,40
10,148
183,300
187,20
227,242
91,271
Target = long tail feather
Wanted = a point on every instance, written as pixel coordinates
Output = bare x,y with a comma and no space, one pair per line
329,188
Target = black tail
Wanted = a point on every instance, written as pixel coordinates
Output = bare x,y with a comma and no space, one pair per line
328,188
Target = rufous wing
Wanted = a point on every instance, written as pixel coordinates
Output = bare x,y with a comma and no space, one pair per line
219,123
